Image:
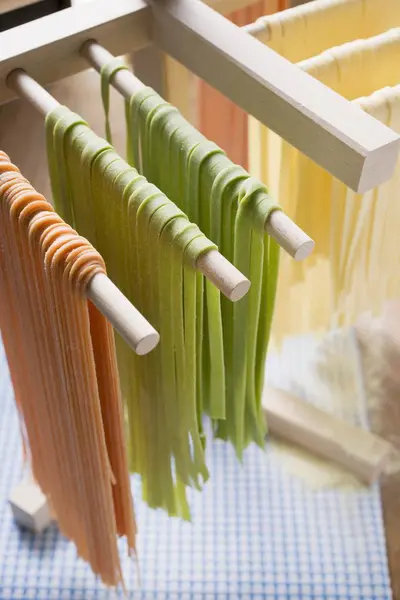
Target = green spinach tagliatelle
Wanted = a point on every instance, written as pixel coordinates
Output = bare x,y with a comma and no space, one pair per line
231,208
150,249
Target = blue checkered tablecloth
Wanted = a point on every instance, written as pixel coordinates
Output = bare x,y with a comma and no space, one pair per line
256,533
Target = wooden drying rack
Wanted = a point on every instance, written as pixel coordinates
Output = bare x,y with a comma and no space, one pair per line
339,136
347,142
353,146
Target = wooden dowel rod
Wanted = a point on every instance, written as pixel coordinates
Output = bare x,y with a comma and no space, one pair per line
279,226
109,300
97,56
123,316
225,276
28,88
288,235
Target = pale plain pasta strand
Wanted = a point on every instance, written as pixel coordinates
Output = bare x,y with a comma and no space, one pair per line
310,195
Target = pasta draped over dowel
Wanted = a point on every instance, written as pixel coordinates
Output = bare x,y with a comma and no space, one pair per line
340,221
231,208
151,249
62,361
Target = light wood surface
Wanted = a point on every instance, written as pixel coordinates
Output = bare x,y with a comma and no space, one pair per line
123,316
29,506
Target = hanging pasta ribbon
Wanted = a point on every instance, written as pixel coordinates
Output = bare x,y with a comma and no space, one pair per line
364,261
305,189
316,197
61,356
231,208
150,248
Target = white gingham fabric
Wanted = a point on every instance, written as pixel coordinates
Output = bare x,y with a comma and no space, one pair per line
256,533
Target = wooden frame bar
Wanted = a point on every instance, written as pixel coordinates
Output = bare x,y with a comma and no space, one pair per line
339,136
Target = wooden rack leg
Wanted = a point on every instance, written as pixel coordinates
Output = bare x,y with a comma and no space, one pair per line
29,506
297,421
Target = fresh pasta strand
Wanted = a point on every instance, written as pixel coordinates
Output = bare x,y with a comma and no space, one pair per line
298,34
231,208
150,249
364,259
311,194
61,356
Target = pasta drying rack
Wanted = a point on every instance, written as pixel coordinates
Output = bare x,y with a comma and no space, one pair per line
346,141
